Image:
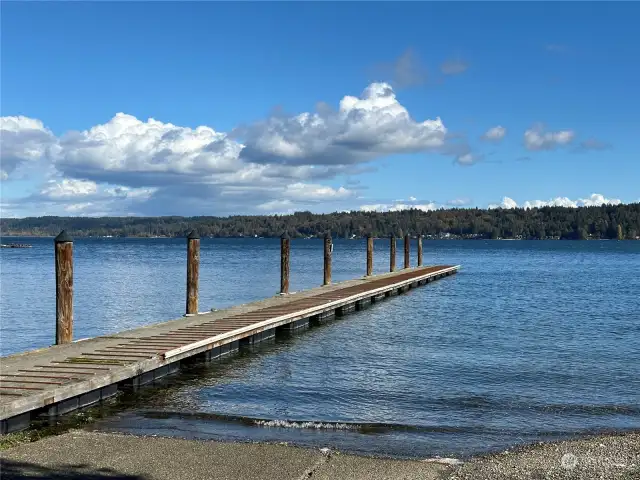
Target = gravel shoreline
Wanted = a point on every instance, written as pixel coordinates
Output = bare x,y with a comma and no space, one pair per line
80,454
614,456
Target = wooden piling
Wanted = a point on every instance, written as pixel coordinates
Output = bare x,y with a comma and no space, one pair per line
392,253
285,246
419,250
407,259
193,272
369,255
64,288
328,250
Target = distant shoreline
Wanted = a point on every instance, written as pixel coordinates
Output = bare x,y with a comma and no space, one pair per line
581,223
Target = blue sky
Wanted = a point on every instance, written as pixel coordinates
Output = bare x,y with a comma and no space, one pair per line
566,73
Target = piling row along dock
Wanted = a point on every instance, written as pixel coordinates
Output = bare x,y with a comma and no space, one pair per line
44,383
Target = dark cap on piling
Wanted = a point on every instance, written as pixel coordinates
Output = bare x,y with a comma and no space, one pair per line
63,237
328,234
285,235
193,235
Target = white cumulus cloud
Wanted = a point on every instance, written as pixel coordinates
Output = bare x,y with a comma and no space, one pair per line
302,191
469,158
506,202
22,140
155,168
397,207
495,134
68,188
594,200
65,196
128,165
537,138
304,196
153,150
363,128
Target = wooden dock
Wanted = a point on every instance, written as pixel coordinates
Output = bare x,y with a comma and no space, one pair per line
53,381
62,378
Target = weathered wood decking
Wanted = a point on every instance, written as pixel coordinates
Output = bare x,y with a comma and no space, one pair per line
62,378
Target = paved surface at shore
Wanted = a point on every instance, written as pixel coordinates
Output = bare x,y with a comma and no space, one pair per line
80,454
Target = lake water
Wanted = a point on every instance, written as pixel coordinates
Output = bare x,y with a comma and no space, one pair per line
530,341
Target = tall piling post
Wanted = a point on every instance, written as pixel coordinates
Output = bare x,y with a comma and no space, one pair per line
392,253
64,288
419,250
407,252
369,255
328,250
193,272
285,246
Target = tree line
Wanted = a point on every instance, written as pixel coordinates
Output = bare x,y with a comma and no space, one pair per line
602,222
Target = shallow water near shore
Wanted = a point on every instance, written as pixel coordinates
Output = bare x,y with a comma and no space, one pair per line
530,341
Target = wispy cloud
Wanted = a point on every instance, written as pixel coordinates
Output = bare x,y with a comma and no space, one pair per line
591,144
408,70
454,66
459,202
405,71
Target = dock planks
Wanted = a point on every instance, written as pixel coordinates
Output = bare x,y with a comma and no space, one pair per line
61,378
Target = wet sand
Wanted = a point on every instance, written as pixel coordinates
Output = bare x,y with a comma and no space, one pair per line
80,454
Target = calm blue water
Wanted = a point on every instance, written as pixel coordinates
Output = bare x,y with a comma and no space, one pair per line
530,341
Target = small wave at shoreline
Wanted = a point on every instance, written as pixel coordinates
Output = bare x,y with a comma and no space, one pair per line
379,439
307,424
360,427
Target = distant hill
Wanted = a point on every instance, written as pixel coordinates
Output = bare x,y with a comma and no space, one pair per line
607,221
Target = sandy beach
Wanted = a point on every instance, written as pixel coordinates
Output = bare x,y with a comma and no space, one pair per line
80,454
